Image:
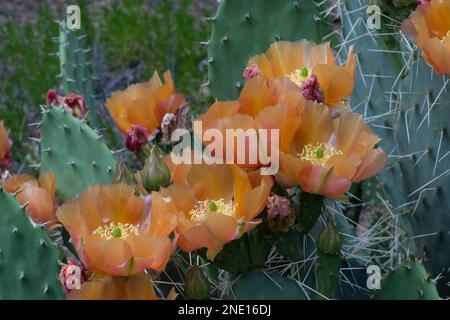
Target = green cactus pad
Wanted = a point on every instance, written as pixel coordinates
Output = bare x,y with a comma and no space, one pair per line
28,261
250,250
290,245
74,152
242,29
75,69
258,285
409,281
328,274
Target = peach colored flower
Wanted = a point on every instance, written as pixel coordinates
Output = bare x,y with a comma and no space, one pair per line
429,27
38,196
328,155
5,157
144,104
262,104
216,204
107,287
311,67
113,233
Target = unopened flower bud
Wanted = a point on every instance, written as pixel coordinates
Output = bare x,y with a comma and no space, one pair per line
136,137
54,98
155,173
329,240
197,285
280,215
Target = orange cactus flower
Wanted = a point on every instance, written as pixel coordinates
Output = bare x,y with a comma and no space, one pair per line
429,27
144,104
113,233
5,158
262,104
107,287
216,204
311,67
329,154
38,196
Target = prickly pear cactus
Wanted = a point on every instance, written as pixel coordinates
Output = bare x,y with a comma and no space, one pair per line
75,69
418,177
259,285
74,152
405,102
28,261
242,29
409,281
328,273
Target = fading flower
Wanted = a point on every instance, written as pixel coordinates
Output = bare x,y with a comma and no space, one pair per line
136,137
71,276
302,62
280,215
113,234
37,195
216,204
429,27
74,103
328,154
251,72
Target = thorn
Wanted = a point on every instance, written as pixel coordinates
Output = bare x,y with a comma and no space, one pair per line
225,39
93,163
204,43
35,139
36,166
21,275
47,150
45,288
247,17
206,84
212,19
15,231
35,124
71,163
42,243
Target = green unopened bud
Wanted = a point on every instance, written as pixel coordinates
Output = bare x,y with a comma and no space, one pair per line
329,240
155,174
197,286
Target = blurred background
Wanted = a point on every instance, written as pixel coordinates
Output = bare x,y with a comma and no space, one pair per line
126,41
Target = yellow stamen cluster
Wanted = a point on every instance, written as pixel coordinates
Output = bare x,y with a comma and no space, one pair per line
222,206
299,75
116,230
318,154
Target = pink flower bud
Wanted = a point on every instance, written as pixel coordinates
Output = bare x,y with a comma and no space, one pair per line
54,98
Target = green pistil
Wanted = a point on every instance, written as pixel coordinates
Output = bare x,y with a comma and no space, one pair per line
212,206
